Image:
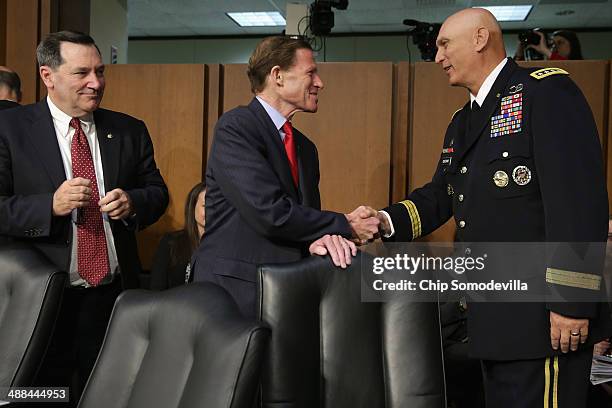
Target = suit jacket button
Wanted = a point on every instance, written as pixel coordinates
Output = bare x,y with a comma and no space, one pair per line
463,170
461,224
460,198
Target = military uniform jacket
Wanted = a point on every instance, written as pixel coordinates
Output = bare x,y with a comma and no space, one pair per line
525,167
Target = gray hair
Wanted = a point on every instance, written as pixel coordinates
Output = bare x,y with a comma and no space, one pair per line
48,51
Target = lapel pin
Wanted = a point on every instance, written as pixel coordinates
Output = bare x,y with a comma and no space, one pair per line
109,136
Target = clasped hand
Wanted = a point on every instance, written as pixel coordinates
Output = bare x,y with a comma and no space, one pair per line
76,193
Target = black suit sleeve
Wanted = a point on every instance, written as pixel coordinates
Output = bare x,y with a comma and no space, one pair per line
23,216
248,181
150,196
570,170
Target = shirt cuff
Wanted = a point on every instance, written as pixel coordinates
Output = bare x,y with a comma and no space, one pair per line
390,234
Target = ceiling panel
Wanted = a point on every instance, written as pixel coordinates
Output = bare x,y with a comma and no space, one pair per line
207,17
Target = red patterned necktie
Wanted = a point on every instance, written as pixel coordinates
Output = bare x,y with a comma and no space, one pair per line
92,253
290,149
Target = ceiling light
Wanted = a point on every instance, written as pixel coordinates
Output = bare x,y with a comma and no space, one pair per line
509,13
258,19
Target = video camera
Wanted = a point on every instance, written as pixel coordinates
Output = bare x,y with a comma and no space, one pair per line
529,37
424,36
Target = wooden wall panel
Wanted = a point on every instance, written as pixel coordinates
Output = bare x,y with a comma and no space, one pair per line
3,32
399,133
170,100
21,41
352,129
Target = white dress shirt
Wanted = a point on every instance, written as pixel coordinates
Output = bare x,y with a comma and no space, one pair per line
483,92
64,134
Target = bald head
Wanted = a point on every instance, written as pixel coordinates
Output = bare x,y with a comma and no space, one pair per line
470,45
475,19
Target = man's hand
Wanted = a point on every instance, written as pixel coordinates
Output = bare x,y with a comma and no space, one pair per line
74,193
601,348
384,228
117,204
364,223
339,248
567,332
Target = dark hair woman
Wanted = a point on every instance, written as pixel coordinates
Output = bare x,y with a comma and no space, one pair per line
171,260
564,46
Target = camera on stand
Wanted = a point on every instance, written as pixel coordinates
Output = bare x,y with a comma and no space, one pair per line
424,36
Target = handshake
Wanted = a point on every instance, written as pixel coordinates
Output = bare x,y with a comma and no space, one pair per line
366,223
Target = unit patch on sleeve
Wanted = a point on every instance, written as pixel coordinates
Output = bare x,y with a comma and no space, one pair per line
510,116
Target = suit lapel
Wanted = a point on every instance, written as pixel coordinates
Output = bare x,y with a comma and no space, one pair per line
488,108
44,140
278,157
109,140
304,196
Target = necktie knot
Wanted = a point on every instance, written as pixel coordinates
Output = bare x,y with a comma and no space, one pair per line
288,129
75,123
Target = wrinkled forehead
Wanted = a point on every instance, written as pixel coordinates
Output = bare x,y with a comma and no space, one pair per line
79,53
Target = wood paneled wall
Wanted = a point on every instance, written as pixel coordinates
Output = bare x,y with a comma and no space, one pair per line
3,29
352,129
170,100
22,35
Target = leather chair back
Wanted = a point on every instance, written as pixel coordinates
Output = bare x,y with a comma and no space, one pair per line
184,347
31,290
330,350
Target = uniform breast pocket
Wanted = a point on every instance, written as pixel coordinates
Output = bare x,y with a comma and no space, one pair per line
510,169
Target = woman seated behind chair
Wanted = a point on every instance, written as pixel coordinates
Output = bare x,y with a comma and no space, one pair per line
171,260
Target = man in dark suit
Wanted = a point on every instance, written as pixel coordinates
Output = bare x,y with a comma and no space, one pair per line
262,202
77,182
521,162
10,88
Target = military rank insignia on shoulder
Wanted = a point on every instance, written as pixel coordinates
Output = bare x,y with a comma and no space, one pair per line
546,72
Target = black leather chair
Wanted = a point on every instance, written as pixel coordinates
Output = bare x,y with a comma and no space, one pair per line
31,290
330,350
184,347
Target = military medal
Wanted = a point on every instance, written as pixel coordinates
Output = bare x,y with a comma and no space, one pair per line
510,116
500,178
521,175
